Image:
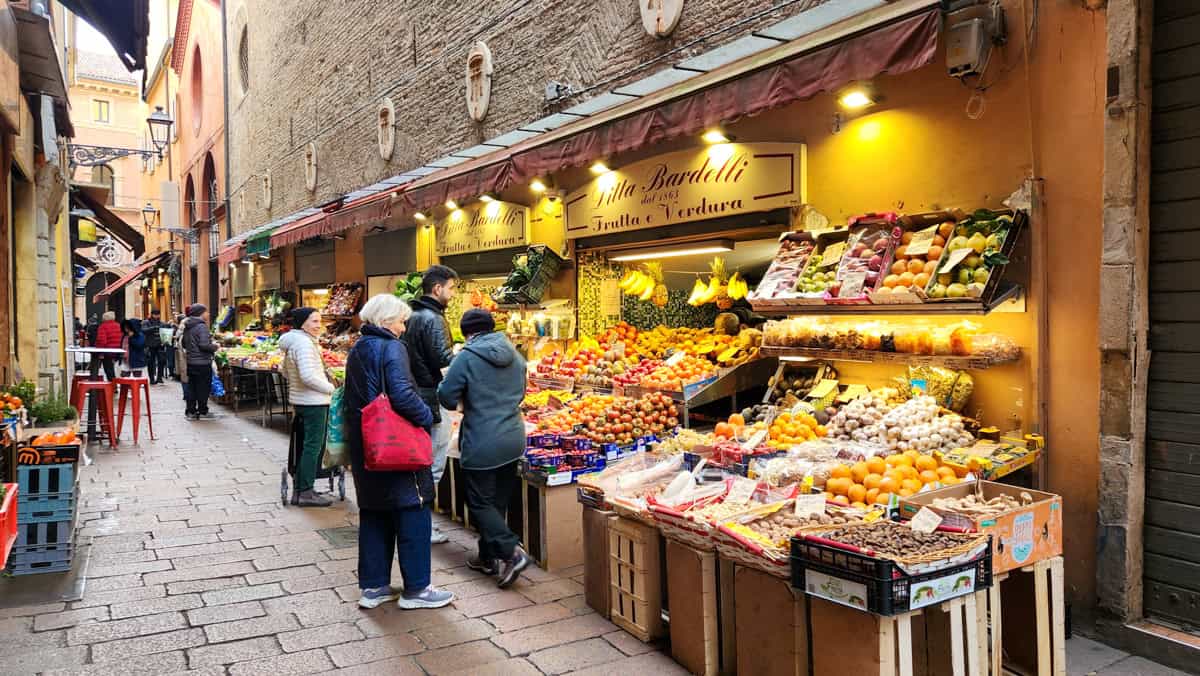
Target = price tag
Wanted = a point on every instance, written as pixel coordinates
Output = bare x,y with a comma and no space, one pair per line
957,256
852,284
741,491
823,388
675,358
873,515
926,521
753,442
921,241
810,505
558,479
833,253
853,391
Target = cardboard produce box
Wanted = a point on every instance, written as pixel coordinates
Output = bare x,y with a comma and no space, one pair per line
1020,537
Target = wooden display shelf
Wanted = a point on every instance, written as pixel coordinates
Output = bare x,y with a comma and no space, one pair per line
877,357
1005,292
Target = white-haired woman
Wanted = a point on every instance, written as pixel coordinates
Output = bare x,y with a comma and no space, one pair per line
109,335
394,516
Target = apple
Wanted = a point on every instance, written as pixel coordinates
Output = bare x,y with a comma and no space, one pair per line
937,291
956,291
981,275
875,263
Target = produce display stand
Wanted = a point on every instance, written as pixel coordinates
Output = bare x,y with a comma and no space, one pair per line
1004,292
551,526
877,357
596,558
1028,631
636,578
726,384
692,599
771,625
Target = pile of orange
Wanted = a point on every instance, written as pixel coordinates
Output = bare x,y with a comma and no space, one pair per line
10,402
619,332
788,429
55,438
874,481
674,377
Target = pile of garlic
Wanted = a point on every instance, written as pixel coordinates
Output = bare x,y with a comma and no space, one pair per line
913,425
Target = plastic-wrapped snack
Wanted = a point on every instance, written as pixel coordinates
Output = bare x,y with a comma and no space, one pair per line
782,471
961,392
994,346
936,381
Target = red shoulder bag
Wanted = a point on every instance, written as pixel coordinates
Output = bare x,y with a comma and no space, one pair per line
390,442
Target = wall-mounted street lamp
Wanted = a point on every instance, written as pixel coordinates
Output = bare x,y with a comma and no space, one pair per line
160,133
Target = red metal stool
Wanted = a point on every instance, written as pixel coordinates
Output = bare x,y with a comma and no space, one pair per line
74,396
126,386
105,391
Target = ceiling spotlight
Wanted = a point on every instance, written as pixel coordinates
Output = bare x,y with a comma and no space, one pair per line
857,96
599,168
537,185
715,135
419,216
487,197
451,205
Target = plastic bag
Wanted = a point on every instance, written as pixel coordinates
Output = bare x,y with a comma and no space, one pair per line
336,453
218,387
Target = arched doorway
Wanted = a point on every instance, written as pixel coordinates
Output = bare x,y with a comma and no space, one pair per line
211,193
116,302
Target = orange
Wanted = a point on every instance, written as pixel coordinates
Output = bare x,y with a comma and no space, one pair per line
959,472
911,485
944,472
925,462
889,485
898,267
838,485
909,472
819,430
883,498
912,455
871,495
737,420
840,472
893,460
856,492
928,476
841,500
858,505
905,493
930,267
950,480
828,495
916,266
859,471
872,480
876,465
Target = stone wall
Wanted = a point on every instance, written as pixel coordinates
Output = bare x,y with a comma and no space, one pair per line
318,71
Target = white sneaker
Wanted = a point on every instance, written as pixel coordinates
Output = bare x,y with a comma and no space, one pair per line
373,598
430,597
437,537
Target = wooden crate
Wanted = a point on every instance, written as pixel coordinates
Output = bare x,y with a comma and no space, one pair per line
771,621
1028,621
596,579
692,598
635,576
553,516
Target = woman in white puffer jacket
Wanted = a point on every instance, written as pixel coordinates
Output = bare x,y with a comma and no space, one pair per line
309,390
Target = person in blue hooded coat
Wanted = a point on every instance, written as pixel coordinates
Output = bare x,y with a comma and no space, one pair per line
488,379
394,516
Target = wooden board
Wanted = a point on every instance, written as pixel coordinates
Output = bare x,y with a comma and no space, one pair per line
1171,602
595,563
1179,276
1169,426
1185,574
1175,306
1172,456
1171,543
1182,518
562,538
1173,486
771,624
692,598
1171,216
1175,336
1175,367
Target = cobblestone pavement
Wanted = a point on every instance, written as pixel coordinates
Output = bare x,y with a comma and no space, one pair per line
196,567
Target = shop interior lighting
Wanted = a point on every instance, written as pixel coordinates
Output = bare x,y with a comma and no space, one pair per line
419,216
537,186
487,197
320,292
712,246
715,135
857,96
599,168
451,205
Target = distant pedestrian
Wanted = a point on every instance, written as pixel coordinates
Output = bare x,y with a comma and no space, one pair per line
198,349
134,343
309,390
488,379
430,348
394,520
156,364
108,336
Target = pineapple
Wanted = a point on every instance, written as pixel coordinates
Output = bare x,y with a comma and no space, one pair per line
724,302
655,270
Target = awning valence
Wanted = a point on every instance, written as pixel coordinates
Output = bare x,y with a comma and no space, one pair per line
371,210
231,254
259,244
128,277
126,24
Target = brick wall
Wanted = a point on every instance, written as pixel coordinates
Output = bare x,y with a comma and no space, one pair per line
319,70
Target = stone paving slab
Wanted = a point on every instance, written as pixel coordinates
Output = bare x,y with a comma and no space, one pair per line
197,568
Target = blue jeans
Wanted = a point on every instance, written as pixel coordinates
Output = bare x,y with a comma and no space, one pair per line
400,533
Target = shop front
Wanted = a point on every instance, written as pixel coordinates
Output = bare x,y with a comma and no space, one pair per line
798,309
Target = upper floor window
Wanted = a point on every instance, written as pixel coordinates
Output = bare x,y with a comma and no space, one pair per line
197,91
100,111
244,59
102,174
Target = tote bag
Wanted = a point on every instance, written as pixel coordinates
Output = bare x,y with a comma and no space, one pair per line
390,442
336,454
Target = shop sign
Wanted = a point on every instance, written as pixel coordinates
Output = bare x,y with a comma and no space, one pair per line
483,226
691,185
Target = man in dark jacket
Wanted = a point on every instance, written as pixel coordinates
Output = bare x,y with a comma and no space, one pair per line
198,345
156,363
430,348
488,379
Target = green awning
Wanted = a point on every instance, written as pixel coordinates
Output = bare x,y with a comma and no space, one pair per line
260,243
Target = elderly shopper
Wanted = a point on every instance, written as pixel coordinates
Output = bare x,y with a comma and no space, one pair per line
309,390
488,379
108,335
394,507
197,344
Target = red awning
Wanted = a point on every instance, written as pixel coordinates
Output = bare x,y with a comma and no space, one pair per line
899,47
367,211
231,254
129,277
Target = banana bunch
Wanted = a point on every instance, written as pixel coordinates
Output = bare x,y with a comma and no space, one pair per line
720,289
638,283
738,288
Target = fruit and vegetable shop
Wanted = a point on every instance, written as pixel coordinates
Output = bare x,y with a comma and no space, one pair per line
811,384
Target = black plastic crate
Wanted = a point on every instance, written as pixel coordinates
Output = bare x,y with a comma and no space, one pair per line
889,590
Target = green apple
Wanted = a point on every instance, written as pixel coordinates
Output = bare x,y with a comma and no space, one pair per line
937,291
981,275
956,291
945,278
965,276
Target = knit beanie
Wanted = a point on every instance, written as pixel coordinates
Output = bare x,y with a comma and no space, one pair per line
301,315
476,321
196,310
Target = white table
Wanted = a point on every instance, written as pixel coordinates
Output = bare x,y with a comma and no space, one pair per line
94,372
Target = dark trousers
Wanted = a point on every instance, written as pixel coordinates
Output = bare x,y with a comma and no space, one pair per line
169,359
107,363
314,420
382,534
488,493
199,386
156,364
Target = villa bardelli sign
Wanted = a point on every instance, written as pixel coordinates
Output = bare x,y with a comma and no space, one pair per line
483,226
691,185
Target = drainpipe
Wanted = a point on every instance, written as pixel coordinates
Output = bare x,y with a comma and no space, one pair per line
225,84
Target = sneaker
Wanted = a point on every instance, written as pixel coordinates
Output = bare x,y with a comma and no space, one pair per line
310,499
513,567
191,416
373,598
491,567
205,416
437,537
429,597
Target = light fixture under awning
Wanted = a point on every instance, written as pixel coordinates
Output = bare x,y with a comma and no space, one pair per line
712,246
